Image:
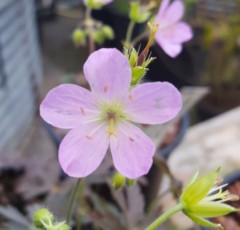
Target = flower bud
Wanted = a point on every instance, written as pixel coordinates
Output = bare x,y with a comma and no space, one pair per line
98,37
118,180
42,218
108,32
202,198
79,37
136,14
61,226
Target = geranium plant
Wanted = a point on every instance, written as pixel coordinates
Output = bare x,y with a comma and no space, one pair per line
105,117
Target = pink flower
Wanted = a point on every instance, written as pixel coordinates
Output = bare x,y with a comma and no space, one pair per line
172,32
103,116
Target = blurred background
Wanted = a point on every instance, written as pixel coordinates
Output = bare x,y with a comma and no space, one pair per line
37,53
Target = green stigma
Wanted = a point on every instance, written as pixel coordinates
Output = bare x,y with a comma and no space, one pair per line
112,114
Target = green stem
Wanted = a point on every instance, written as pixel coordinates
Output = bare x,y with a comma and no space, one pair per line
156,223
71,201
129,33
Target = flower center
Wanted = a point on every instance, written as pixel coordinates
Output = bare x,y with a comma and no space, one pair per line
112,114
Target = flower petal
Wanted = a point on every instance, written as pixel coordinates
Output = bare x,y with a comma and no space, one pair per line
83,149
171,14
108,73
164,5
153,103
172,37
67,106
132,151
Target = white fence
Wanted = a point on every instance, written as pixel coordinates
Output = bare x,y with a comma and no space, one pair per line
20,70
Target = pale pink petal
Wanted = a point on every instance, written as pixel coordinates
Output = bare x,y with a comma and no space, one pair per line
177,33
108,73
164,5
153,103
132,151
68,106
172,14
171,49
171,38
83,149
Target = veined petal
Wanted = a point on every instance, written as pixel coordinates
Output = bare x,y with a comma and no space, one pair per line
132,151
203,222
108,73
173,13
83,149
211,209
67,106
153,103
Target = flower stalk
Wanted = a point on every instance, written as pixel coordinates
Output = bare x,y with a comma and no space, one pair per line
156,223
71,200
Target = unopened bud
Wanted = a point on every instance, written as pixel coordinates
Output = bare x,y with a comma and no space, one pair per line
42,217
98,37
118,181
79,37
108,32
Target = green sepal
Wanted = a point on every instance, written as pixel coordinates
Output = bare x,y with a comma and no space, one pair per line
148,61
133,57
199,189
136,15
60,226
130,182
138,73
211,209
203,222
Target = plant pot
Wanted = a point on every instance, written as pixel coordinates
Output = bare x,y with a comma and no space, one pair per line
233,182
218,101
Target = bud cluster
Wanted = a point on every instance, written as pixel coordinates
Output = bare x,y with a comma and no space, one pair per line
43,219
